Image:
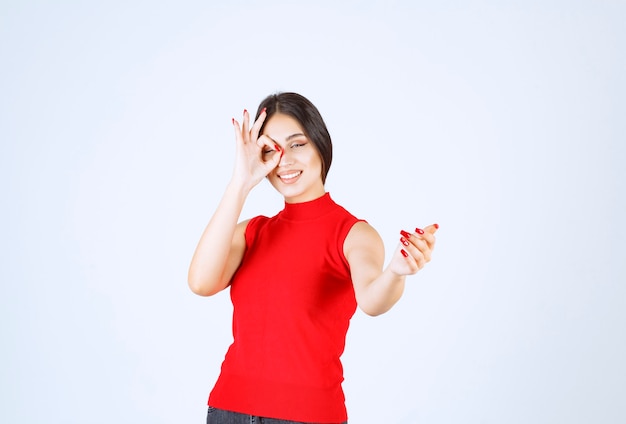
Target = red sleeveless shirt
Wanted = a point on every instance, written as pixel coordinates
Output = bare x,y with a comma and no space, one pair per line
293,300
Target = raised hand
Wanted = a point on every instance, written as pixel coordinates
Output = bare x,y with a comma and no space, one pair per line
255,156
414,251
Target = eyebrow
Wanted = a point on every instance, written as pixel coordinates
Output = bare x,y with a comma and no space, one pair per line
292,136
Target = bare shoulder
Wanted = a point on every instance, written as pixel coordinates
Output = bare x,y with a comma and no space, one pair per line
241,226
237,250
240,232
362,236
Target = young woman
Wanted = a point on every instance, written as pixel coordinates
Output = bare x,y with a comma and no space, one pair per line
296,278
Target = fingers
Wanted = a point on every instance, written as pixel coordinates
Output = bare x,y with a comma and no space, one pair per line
432,228
268,146
408,264
258,124
419,245
271,152
428,234
256,156
237,129
243,131
246,125
414,250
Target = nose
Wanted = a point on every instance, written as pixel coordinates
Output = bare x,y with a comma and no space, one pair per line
285,159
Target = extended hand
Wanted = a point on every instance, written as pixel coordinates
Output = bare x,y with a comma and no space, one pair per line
414,251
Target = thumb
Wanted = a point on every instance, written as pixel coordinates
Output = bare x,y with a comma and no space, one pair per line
278,156
432,228
273,161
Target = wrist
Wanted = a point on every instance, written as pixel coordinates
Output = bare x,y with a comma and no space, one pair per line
394,276
238,186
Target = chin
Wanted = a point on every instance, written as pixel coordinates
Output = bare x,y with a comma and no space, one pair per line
291,194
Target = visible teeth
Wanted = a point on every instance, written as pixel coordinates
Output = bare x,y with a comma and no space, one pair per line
287,176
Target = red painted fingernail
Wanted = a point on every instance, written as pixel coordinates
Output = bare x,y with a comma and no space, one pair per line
405,234
264,110
277,147
436,226
406,255
233,121
404,241
419,231
245,111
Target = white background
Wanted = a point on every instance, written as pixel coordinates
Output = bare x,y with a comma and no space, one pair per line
501,121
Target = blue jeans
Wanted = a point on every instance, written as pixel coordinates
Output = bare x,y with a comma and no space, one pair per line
219,416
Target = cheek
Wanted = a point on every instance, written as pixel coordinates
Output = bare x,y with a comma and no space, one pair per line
317,161
312,159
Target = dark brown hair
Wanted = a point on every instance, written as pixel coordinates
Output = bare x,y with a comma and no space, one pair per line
307,115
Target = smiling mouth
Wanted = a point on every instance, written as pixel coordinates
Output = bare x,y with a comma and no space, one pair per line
290,176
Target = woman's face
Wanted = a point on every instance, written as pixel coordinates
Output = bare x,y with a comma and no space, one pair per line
298,176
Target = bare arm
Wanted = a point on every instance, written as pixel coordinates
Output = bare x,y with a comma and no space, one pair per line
378,289
222,244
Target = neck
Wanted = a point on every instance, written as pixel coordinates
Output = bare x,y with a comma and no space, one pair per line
308,210
307,196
